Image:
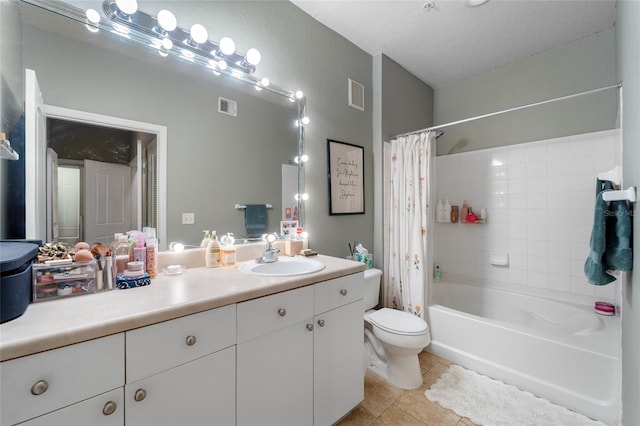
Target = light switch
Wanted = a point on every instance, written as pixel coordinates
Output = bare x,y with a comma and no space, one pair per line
188,218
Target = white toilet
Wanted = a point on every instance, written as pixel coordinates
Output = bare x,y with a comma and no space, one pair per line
393,339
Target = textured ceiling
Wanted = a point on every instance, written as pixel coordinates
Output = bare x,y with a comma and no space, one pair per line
450,41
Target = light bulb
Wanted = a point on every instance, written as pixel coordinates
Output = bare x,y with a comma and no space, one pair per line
305,196
222,65
167,20
299,94
265,82
128,7
304,234
199,33
305,120
91,28
304,158
227,46
93,16
297,197
163,53
253,56
176,247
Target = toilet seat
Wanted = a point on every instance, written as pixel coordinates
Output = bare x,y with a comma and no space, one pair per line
398,322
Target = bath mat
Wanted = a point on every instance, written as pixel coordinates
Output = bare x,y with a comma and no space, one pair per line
489,402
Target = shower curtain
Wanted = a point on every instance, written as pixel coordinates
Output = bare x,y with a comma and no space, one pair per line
408,179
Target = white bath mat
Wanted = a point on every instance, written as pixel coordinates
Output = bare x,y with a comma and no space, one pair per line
490,402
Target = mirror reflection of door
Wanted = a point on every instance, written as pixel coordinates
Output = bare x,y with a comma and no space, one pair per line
104,178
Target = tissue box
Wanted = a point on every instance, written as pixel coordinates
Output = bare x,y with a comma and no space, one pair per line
292,247
366,258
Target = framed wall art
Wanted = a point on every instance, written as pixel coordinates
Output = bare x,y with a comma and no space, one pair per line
346,178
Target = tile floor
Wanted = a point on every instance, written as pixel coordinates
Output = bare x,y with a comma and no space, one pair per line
387,405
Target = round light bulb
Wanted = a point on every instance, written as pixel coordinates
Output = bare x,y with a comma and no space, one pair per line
128,7
227,46
199,33
176,247
304,158
93,16
265,82
163,53
167,20
222,65
299,94
253,56
305,196
297,197
304,234
305,120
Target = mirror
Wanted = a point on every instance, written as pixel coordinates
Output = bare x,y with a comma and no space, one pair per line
214,161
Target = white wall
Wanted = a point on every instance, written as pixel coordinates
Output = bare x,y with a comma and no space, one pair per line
540,202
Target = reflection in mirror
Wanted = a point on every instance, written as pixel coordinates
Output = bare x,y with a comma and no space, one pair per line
213,160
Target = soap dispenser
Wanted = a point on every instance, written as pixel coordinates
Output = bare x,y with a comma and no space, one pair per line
447,211
212,253
205,238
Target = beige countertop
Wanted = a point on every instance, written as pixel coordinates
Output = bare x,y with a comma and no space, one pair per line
53,324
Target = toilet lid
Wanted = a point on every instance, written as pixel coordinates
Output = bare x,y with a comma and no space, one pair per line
398,322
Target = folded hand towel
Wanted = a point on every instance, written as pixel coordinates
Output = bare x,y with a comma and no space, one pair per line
610,238
255,219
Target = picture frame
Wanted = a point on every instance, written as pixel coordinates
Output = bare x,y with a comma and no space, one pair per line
288,228
346,178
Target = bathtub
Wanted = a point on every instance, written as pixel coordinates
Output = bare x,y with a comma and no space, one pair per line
562,352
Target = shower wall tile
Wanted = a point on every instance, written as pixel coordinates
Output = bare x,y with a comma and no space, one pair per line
539,198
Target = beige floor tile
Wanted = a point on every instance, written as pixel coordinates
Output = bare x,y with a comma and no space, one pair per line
393,416
433,374
359,416
416,404
378,394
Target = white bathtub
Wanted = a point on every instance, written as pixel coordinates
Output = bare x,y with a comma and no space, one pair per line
562,352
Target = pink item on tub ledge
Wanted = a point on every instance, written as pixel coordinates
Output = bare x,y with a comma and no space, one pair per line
604,308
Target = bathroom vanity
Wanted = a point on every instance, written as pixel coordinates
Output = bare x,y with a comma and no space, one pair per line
210,346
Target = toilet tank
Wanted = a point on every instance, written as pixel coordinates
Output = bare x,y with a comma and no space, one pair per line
371,287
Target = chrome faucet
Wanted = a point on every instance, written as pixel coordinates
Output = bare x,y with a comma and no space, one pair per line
270,253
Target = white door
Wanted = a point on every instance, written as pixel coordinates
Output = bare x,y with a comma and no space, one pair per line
107,195
35,159
69,212
52,195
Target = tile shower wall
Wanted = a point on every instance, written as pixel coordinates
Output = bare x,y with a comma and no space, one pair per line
540,199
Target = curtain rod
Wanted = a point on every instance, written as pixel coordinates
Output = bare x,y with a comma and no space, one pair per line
491,114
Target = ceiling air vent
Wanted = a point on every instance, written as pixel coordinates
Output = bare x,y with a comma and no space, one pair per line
227,106
356,95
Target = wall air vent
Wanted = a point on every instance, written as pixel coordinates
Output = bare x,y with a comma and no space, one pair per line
356,95
227,106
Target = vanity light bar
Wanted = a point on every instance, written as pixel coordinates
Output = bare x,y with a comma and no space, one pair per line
148,25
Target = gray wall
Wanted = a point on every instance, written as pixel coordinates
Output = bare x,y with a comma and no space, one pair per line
298,53
574,67
628,65
11,100
402,103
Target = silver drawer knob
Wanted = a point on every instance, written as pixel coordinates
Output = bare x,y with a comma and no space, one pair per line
310,327
282,312
140,395
109,408
343,292
191,340
39,387
321,323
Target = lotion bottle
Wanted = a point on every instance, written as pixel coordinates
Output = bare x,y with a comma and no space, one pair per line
228,251
447,211
205,239
212,253
152,257
464,211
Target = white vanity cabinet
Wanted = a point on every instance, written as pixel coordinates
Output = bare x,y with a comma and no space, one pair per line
300,354
48,381
183,371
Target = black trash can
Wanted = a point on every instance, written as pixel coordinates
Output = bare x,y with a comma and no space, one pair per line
16,258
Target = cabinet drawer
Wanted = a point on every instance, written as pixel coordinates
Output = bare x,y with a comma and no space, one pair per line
338,292
41,383
270,313
102,410
159,347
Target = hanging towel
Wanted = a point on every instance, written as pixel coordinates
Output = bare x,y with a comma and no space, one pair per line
610,238
255,219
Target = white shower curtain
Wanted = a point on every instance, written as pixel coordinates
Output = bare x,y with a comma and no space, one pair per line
407,216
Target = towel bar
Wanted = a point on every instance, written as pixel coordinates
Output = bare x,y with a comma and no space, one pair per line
239,206
628,194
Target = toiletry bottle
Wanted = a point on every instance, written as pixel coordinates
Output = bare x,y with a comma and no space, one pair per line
447,211
120,254
205,239
152,257
212,253
439,211
140,253
464,211
454,214
227,251
483,214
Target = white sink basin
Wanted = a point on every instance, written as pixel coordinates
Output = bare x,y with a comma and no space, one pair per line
284,267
